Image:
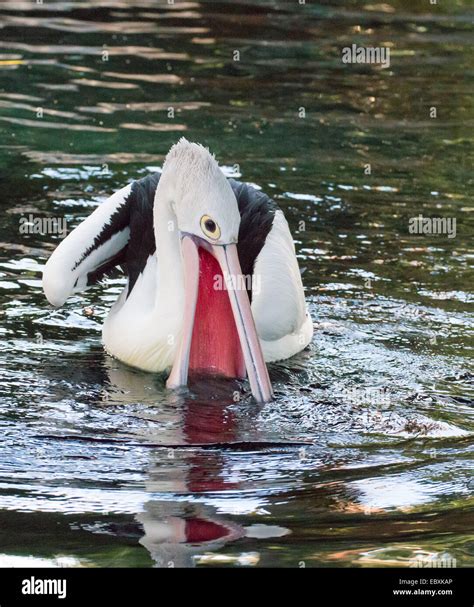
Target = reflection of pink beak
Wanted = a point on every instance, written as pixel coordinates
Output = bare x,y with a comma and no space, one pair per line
227,257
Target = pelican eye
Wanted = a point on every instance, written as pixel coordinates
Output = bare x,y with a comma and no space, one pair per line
210,227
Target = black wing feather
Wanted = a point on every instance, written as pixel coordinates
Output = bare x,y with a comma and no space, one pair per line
137,214
142,242
257,212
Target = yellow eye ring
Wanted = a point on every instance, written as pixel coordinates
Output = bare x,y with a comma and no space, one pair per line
210,227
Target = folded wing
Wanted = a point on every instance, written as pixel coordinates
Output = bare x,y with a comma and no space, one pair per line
118,232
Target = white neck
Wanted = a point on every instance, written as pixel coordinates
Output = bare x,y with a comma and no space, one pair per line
168,249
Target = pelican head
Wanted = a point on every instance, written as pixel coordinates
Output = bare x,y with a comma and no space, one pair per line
208,220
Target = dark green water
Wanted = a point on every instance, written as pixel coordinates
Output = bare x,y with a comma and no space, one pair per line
366,457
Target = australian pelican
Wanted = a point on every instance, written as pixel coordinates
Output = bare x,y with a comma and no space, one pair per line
197,249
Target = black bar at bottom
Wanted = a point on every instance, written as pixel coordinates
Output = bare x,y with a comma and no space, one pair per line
236,586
